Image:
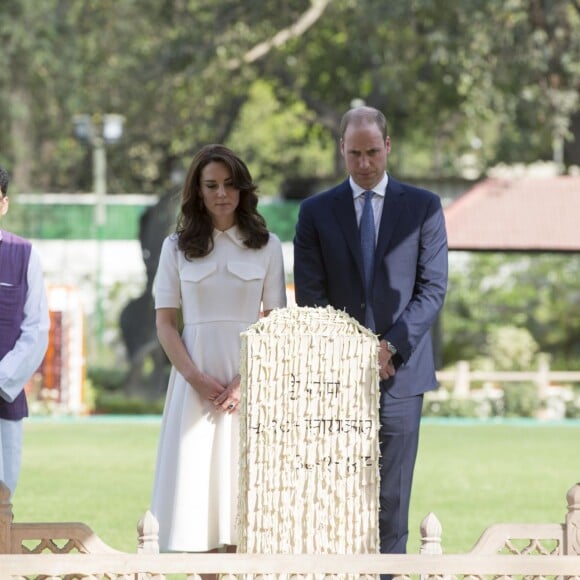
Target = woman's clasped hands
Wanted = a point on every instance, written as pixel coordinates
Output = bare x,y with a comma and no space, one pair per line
224,398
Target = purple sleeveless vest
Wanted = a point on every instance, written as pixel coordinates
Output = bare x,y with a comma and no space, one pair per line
14,258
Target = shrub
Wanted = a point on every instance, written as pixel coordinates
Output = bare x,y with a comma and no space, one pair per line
107,378
120,404
520,400
573,405
450,408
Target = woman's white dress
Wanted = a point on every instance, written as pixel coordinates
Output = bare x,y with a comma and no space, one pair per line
195,487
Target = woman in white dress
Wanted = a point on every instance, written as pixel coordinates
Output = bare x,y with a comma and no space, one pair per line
219,270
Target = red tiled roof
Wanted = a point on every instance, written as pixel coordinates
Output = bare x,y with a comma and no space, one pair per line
527,214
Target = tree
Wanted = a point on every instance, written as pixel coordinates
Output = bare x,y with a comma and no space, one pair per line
537,292
167,67
491,79
465,83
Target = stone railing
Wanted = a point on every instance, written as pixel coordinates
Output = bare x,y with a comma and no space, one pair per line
72,550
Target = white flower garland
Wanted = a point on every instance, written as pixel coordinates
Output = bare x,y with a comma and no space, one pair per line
309,420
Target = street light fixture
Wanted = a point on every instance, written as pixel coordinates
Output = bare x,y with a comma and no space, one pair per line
97,131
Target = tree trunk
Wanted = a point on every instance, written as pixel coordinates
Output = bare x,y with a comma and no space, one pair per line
22,135
572,147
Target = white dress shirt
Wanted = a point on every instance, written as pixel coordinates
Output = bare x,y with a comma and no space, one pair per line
378,200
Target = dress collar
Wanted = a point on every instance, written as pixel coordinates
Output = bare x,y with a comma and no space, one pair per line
233,233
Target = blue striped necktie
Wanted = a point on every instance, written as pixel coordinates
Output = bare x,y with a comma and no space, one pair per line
367,242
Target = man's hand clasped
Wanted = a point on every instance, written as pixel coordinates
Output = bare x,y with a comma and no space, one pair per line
386,367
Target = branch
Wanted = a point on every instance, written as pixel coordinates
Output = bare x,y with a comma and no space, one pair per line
305,21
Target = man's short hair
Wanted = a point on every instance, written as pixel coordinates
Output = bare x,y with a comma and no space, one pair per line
4,181
363,115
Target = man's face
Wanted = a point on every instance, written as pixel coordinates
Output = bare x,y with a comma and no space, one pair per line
3,204
365,153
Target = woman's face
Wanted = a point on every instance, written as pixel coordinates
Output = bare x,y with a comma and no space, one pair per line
220,196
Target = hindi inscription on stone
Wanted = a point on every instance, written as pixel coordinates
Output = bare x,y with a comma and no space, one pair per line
309,448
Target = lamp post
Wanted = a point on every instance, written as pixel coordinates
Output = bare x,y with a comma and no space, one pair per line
99,131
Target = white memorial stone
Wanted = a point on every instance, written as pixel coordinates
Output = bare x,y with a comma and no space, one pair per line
309,423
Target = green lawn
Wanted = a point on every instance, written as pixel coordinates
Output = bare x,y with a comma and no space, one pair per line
99,473
470,475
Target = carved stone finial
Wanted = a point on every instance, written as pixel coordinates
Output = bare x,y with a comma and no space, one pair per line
573,497
431,532
572,526
4,493
6,517
148,534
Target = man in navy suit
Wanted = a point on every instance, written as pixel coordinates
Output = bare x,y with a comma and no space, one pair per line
399,300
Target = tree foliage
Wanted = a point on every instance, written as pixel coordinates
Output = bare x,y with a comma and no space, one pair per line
470,81
536,292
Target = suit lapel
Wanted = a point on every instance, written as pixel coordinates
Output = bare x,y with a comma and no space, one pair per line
392,207
346,218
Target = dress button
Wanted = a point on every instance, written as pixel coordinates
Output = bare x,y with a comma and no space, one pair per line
362,305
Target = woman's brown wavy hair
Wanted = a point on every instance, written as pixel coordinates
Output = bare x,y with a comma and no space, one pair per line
194,224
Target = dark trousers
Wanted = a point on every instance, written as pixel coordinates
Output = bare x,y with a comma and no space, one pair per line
399,440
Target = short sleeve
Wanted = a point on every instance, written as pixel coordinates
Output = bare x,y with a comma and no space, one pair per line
166,287
274,293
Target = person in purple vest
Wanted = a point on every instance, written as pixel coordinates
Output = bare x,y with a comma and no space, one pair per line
24,325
